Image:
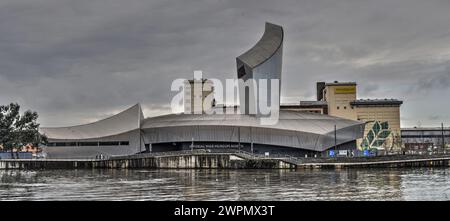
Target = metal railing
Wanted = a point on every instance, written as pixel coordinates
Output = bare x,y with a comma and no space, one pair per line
175,153
285,157
239,153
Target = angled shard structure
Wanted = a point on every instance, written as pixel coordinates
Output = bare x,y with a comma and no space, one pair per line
263,61
116,135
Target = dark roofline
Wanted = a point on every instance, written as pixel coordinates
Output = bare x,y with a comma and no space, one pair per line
368,102
305,104
337,83
203,80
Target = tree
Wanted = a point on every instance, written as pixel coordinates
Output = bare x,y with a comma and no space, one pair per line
396,141
18,130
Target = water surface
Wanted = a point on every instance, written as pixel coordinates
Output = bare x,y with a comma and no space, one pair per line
109,184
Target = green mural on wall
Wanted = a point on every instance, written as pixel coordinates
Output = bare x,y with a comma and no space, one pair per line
376,136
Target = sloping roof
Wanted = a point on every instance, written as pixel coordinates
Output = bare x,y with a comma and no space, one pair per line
294,129
269,43
288,120
122,122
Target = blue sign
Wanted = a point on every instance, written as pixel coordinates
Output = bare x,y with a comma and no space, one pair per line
331,153
366,152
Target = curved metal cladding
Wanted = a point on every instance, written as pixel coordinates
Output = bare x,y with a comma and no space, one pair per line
306,131
262,61
116,135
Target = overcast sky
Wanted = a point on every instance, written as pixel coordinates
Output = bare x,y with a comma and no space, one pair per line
76,61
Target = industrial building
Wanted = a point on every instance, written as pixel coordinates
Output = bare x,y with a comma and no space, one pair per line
339,99
198,96
295,133
425,138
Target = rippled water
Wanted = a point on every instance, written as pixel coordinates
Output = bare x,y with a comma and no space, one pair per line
350,184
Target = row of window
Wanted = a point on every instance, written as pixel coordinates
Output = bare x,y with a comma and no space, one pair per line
78,144
419,132
352,107
425,136
345,107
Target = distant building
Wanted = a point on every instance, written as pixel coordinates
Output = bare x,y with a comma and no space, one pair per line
382,117
417,139
338,96
339,99
198,96
319,107
221,108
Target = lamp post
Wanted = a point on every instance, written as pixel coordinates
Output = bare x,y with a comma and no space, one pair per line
335,138
423,139
140,141
443,138
251,140
239,138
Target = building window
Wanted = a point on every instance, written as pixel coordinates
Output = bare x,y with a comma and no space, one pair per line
124,143
345,107
101,143
109,143
61,144
88,144
337,107
241,72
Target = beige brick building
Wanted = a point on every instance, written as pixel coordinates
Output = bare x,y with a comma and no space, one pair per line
339,99
372,111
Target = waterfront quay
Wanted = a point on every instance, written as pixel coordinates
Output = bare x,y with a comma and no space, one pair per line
227,160
165,160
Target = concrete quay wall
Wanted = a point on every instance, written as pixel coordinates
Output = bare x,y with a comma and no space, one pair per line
202,161
222,161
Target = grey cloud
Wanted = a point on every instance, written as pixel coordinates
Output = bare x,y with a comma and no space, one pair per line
80,60
440,80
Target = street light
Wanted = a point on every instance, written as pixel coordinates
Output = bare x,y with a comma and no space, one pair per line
251,140
443,139
239,138
335,139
